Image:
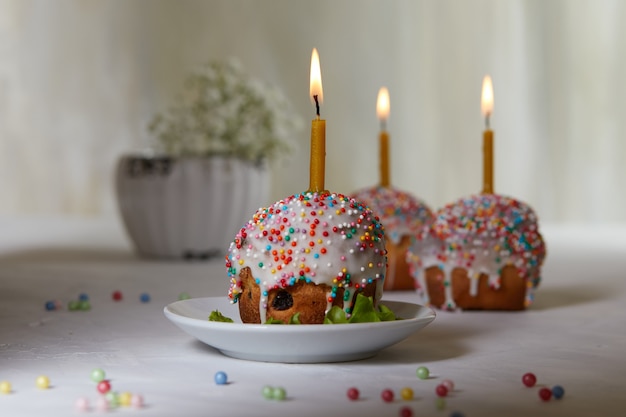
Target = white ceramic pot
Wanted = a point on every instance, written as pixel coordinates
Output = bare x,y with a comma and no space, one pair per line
187,207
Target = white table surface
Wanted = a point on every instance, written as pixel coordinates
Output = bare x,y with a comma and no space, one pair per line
574,335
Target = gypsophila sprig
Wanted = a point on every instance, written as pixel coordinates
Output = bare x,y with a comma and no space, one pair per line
223,111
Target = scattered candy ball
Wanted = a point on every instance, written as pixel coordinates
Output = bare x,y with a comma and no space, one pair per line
97,375
124,398
220,378
102,404
82,404
73,305
5,387
353,394
558,392
529,379
184,296
387,395
42,382
84,305
268,392
279,393
448,384
440,403
457,414
406,393
51,305
83,297
406,412
274,393
117,296
136,401
103,386
441,390
422,372
144,297
113,399
545,394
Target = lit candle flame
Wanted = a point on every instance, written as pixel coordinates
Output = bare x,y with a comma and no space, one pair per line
382,104
486,102
315,87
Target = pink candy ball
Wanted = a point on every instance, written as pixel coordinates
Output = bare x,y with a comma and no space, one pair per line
82,404
136,401
448,384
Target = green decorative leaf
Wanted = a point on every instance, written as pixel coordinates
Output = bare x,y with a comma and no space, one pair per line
217,316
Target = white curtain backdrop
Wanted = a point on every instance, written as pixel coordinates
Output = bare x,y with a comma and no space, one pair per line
80,80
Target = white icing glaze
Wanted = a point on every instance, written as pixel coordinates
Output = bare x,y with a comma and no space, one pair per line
322,239
481,234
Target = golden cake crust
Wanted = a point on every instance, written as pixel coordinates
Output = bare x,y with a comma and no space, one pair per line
398,276
509,296
307,299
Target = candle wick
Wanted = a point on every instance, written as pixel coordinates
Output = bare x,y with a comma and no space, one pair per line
383,125
487,121
317,105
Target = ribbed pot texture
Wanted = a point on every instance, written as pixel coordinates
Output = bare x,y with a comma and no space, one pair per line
187,207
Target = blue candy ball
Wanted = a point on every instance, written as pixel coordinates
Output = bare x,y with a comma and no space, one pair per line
558,392
221,378
83,297
145,297
50,305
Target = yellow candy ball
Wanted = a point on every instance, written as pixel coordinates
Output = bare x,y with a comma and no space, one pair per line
406,393
125,398
42,382
5,387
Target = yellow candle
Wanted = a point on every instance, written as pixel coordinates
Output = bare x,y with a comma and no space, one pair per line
382,111
318,129
487,110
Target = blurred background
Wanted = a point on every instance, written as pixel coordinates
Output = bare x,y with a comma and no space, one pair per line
81,79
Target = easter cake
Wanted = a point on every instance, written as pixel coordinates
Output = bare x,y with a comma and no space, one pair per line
303,255
482,252
403,216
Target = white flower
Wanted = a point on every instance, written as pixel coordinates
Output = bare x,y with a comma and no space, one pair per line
224,111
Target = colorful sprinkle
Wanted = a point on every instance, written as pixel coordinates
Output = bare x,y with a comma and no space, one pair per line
448,384
117,296
268,392
221,378
353,394
124,399
298,223
406,412
97,375
441,390
406,393
279,394
545,394
144,297
529,379
387,395
440,403
42,382
481,233
5,387
82,404
136,401
422,372
103,387
558,392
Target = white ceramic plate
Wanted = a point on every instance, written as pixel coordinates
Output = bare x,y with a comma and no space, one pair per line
311,343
